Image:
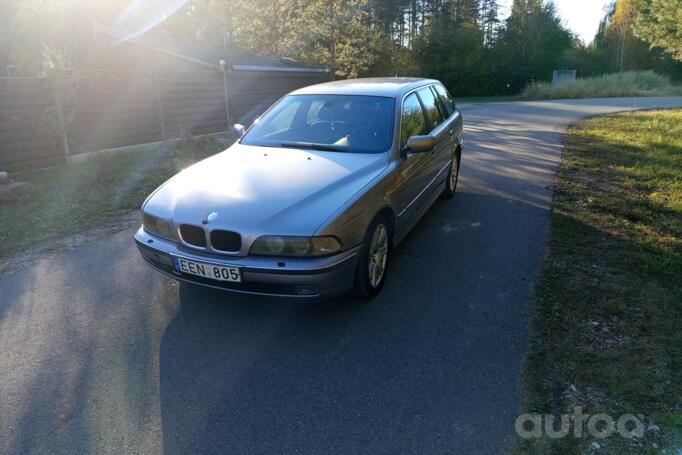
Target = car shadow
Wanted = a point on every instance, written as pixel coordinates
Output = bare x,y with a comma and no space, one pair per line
429,365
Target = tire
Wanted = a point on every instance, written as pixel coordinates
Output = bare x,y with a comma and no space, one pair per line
450,183
367,286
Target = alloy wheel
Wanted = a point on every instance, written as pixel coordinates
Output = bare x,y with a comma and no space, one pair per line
378,255
454,173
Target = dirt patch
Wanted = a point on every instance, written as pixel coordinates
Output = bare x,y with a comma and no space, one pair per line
15,262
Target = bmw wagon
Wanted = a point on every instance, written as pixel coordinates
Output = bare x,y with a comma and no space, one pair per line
313,198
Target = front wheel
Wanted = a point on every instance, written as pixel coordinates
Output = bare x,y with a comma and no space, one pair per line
452,178
370,274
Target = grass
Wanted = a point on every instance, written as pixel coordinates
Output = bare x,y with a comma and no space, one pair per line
606,330
79,196
633,83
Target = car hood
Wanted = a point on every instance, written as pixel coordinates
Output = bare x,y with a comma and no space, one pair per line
264,190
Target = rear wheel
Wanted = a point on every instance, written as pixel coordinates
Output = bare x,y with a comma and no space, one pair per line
452,178
370,273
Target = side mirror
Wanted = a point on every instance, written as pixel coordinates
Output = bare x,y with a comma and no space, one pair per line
239,128
420,144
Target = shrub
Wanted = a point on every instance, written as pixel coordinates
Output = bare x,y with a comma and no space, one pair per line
192,149
632,83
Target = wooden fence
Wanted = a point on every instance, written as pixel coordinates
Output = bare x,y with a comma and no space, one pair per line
119,108
25,141
126,108
251,92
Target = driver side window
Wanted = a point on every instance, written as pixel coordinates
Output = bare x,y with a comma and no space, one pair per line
412,122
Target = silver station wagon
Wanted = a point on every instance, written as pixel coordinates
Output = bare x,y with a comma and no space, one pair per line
314,196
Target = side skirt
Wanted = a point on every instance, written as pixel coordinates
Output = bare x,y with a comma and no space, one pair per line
435,195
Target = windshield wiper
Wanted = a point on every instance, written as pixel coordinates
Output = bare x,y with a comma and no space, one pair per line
314,146
265,145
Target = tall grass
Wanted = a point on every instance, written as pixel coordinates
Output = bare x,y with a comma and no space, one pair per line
633,83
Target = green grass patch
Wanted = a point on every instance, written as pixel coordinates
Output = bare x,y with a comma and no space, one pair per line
632,83
606,330
82,195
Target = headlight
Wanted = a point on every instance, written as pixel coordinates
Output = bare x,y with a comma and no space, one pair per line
156,225
276,245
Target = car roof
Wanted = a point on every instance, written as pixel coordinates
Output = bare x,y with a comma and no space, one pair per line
393,87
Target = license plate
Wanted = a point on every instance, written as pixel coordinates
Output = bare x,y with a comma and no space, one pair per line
212,271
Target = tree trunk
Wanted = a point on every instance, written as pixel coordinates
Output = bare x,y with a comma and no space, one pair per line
332,57
413,23
332,39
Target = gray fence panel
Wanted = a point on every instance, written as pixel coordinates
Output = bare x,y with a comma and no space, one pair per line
25,140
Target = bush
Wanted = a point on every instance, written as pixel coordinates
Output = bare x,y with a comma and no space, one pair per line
633,83
192,149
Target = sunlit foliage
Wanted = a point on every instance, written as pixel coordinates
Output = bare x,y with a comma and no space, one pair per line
462,42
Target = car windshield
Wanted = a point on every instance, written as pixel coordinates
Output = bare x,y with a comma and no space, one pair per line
340,123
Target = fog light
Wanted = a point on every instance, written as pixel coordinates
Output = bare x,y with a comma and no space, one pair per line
307,290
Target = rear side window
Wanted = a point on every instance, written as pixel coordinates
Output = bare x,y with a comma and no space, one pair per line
445,99
430,107
412,121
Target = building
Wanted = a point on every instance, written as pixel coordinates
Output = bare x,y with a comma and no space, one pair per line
252,83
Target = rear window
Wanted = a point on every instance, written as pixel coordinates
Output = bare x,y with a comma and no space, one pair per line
431,107
445,99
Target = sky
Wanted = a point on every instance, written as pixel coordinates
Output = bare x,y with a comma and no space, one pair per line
580,16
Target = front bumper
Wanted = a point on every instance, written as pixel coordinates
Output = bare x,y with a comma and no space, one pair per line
303,278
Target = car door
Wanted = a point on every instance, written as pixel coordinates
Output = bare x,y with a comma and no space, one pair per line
410,174
436,160
454,118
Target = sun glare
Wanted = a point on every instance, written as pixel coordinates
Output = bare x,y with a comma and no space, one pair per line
143,15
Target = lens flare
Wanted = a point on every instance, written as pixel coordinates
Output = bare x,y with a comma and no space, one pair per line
143,15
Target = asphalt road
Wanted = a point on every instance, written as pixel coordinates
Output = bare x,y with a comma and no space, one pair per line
98,353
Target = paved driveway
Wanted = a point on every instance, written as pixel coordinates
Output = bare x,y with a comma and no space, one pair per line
98,353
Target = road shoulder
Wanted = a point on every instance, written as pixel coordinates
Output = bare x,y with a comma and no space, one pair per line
606,329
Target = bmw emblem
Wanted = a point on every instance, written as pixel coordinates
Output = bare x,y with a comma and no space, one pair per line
211,217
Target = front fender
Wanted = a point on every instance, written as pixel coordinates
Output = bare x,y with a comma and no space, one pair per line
350,222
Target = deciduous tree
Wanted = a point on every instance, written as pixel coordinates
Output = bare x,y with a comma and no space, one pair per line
660,23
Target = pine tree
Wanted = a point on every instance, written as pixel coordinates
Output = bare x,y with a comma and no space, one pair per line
337,34
532,42
489,21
